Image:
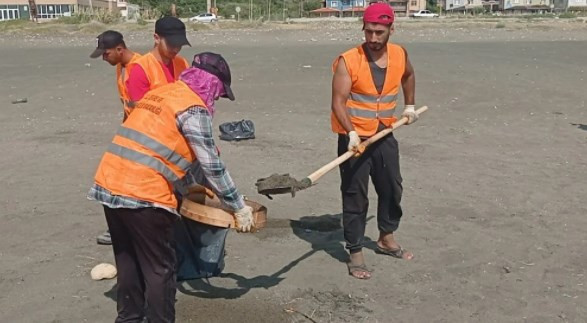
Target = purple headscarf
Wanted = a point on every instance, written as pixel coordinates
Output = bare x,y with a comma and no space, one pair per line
206,85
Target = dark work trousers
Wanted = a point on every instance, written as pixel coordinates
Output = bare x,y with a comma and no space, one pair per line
145,259
381,162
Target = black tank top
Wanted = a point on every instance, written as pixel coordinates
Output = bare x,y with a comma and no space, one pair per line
377,72
378,75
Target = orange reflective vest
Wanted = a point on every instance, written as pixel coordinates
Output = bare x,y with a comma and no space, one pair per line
366,107
121,79
149,153
155,74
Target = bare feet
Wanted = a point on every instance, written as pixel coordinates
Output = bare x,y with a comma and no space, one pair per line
357,266
386,245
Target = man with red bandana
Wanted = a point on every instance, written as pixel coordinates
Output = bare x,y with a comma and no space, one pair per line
365,88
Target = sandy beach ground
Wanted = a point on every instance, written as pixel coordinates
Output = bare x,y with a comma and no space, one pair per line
494,176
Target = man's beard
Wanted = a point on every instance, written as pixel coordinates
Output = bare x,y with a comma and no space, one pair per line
376,46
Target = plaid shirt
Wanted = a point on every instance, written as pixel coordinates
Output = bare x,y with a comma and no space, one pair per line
196,126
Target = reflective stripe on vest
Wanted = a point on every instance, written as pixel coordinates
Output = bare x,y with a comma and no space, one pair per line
366,98
370,114
143,159
155,146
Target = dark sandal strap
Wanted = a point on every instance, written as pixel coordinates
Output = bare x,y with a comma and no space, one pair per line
396,253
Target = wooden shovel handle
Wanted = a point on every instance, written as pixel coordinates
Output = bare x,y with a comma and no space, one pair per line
342,158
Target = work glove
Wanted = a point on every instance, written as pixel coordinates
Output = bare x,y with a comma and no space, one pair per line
410,113
244,219
355,143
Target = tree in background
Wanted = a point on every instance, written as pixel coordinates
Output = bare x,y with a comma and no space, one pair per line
432,5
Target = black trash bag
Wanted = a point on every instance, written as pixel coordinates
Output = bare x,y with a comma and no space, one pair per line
237,130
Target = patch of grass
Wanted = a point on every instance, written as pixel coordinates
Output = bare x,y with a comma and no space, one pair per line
500,25
225,24
25,26
68,25
197,26
538,16
567,15
15,24
74,20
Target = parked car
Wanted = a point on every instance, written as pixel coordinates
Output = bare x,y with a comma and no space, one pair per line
205,17
425,14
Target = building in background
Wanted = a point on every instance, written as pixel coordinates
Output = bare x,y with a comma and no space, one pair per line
463,5
400,7
525,6
491,5
46,9
350,8
569,5
52,9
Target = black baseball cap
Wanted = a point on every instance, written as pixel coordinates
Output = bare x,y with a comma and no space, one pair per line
107,40
215,64
172,30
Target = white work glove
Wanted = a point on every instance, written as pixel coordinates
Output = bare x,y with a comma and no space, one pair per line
244,219
410,113
354,142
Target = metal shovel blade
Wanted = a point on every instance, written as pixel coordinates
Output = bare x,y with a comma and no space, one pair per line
281,184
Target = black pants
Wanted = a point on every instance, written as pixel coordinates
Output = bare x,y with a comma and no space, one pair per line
145,259
381,162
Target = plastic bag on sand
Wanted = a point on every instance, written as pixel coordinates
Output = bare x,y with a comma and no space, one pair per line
237,130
